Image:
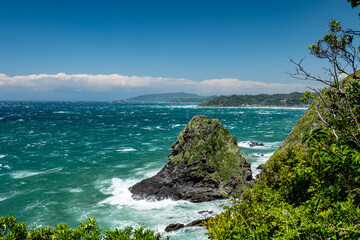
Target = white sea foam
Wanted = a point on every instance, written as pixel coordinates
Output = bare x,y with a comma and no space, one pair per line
2,156
151,173
175,125
26,173
267,145
261,159
121,166
61,112
247,144
23,174
121,197
3,198
4,166
153,149
130,149
76,190
183,106
145,172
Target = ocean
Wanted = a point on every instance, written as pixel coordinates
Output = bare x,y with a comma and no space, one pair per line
67,161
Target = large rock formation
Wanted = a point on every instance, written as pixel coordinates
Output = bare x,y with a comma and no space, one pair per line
206,164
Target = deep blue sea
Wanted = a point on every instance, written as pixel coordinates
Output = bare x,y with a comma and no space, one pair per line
66,161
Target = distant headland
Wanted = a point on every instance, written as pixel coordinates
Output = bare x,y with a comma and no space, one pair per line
259,100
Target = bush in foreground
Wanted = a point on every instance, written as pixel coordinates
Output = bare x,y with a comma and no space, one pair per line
310,190
89,230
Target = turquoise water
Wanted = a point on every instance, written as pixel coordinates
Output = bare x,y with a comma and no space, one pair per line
64,162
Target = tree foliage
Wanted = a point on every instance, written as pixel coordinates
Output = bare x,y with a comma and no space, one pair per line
290,99
310,190
10,229
354,3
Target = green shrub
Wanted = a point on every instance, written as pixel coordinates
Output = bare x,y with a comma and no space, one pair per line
87,230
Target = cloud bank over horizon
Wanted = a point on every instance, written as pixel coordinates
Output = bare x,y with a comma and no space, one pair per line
132,85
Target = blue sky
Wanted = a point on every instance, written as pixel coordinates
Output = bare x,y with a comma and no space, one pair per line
101,50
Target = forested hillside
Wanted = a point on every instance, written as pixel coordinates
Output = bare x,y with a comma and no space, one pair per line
290,100
310,187
179,97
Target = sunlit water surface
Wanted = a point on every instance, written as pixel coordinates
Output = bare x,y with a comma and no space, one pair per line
65,162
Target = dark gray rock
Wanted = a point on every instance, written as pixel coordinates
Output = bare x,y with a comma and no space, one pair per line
205,212
205,165
173,227
176,226
255,144
260,167
196,223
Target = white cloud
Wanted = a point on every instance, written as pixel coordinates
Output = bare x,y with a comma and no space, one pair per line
109,82
228,86
342,76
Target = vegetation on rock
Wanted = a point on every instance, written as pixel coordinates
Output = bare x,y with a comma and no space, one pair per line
206,164
205,138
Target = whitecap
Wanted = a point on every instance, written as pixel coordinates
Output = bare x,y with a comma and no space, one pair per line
61,112
121,197
121,166
3,198
2,156
53,170
25,173
175,125
183,106
75,190
130,149
153,149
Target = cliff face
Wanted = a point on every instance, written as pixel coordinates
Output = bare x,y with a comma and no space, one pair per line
206,164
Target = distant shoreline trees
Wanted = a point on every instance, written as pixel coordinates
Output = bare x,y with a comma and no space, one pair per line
275,100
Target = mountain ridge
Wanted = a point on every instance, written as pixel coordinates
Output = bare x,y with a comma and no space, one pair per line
178,97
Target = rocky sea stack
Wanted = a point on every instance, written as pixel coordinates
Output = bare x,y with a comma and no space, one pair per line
206,164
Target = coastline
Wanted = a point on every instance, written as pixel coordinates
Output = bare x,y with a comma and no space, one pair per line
257,107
